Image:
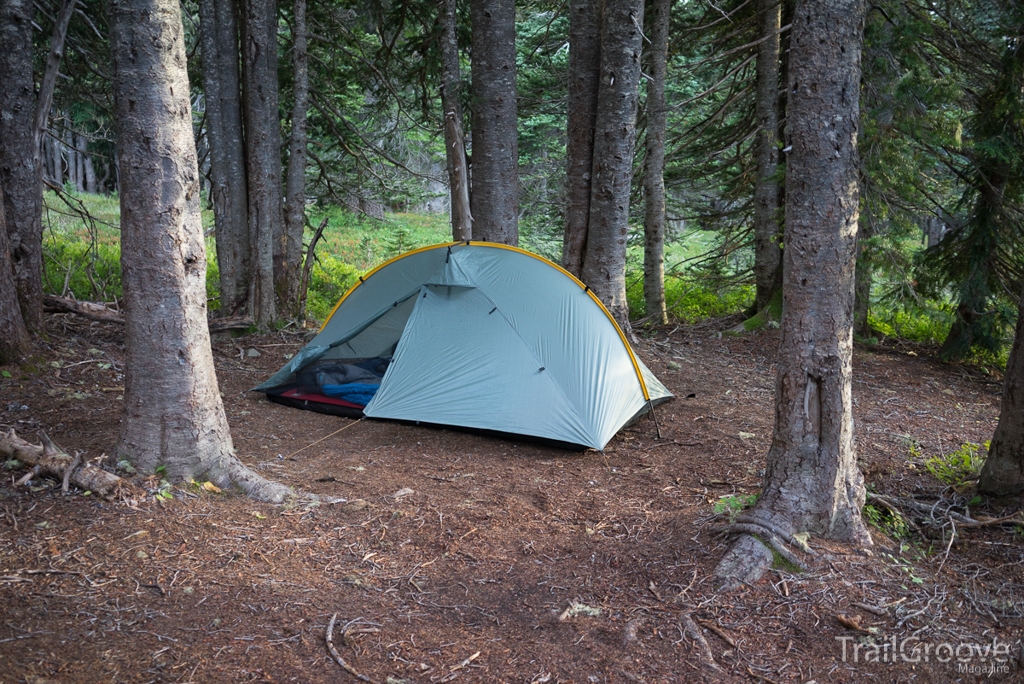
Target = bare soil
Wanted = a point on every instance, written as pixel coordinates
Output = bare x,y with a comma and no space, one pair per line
461,557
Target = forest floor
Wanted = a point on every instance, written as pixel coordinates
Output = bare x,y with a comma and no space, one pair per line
460,557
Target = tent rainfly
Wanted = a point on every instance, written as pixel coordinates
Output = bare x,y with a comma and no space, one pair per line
474,335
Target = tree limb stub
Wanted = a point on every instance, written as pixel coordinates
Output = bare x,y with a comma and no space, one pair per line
55,461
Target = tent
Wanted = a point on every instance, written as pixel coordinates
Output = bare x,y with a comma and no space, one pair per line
474,335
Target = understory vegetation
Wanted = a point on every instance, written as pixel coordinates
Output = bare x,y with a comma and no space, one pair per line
82,260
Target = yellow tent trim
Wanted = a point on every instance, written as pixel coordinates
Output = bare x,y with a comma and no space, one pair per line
622,335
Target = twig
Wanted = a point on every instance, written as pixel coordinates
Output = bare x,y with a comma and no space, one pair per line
952,536
337,656
719,631
466,662
871,609
28,476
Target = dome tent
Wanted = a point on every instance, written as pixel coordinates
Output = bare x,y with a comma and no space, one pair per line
474,335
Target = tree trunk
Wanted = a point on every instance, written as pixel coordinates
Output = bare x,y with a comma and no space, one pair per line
812,483
767,255
1003,472
604,268
44,101
72,154
454,140
229,193
88,172
864,277
14,340
584,74
654,167
295,204
495,192
173,415
23,195
263,158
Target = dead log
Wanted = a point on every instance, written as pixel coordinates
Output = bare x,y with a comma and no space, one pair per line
51,459
230,323
100,312
91,310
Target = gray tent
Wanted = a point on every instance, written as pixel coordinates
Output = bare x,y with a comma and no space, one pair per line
475,335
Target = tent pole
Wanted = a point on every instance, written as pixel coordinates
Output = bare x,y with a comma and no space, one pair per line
656,426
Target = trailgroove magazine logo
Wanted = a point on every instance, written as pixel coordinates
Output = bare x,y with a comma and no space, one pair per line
969,657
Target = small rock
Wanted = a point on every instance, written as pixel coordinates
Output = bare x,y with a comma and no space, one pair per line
142,555
253,353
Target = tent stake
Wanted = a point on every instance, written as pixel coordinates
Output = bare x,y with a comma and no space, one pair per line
656,426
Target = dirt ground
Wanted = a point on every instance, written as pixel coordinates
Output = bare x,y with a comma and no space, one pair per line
460,557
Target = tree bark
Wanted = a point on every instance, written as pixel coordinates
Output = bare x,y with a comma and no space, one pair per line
812,483
1003,472
864,277
584,74
454,140
22,192
173,414
263,159
295,203
604,268
14,339
767,255
495,190
654,167
229,192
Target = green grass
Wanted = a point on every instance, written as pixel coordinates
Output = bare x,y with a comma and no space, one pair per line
364,242
81,258
82,250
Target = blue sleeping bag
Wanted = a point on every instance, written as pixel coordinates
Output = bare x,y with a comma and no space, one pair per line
356,392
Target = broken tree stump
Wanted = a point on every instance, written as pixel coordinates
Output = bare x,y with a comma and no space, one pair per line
53,460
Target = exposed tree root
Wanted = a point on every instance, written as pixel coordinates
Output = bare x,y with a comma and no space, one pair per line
744,563
337,656
751,555
775,529
765,535
255,485
768,317
707,658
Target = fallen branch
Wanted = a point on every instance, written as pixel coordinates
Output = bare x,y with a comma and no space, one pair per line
909,509
51,459
226,323
90,310
337,656
100,312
